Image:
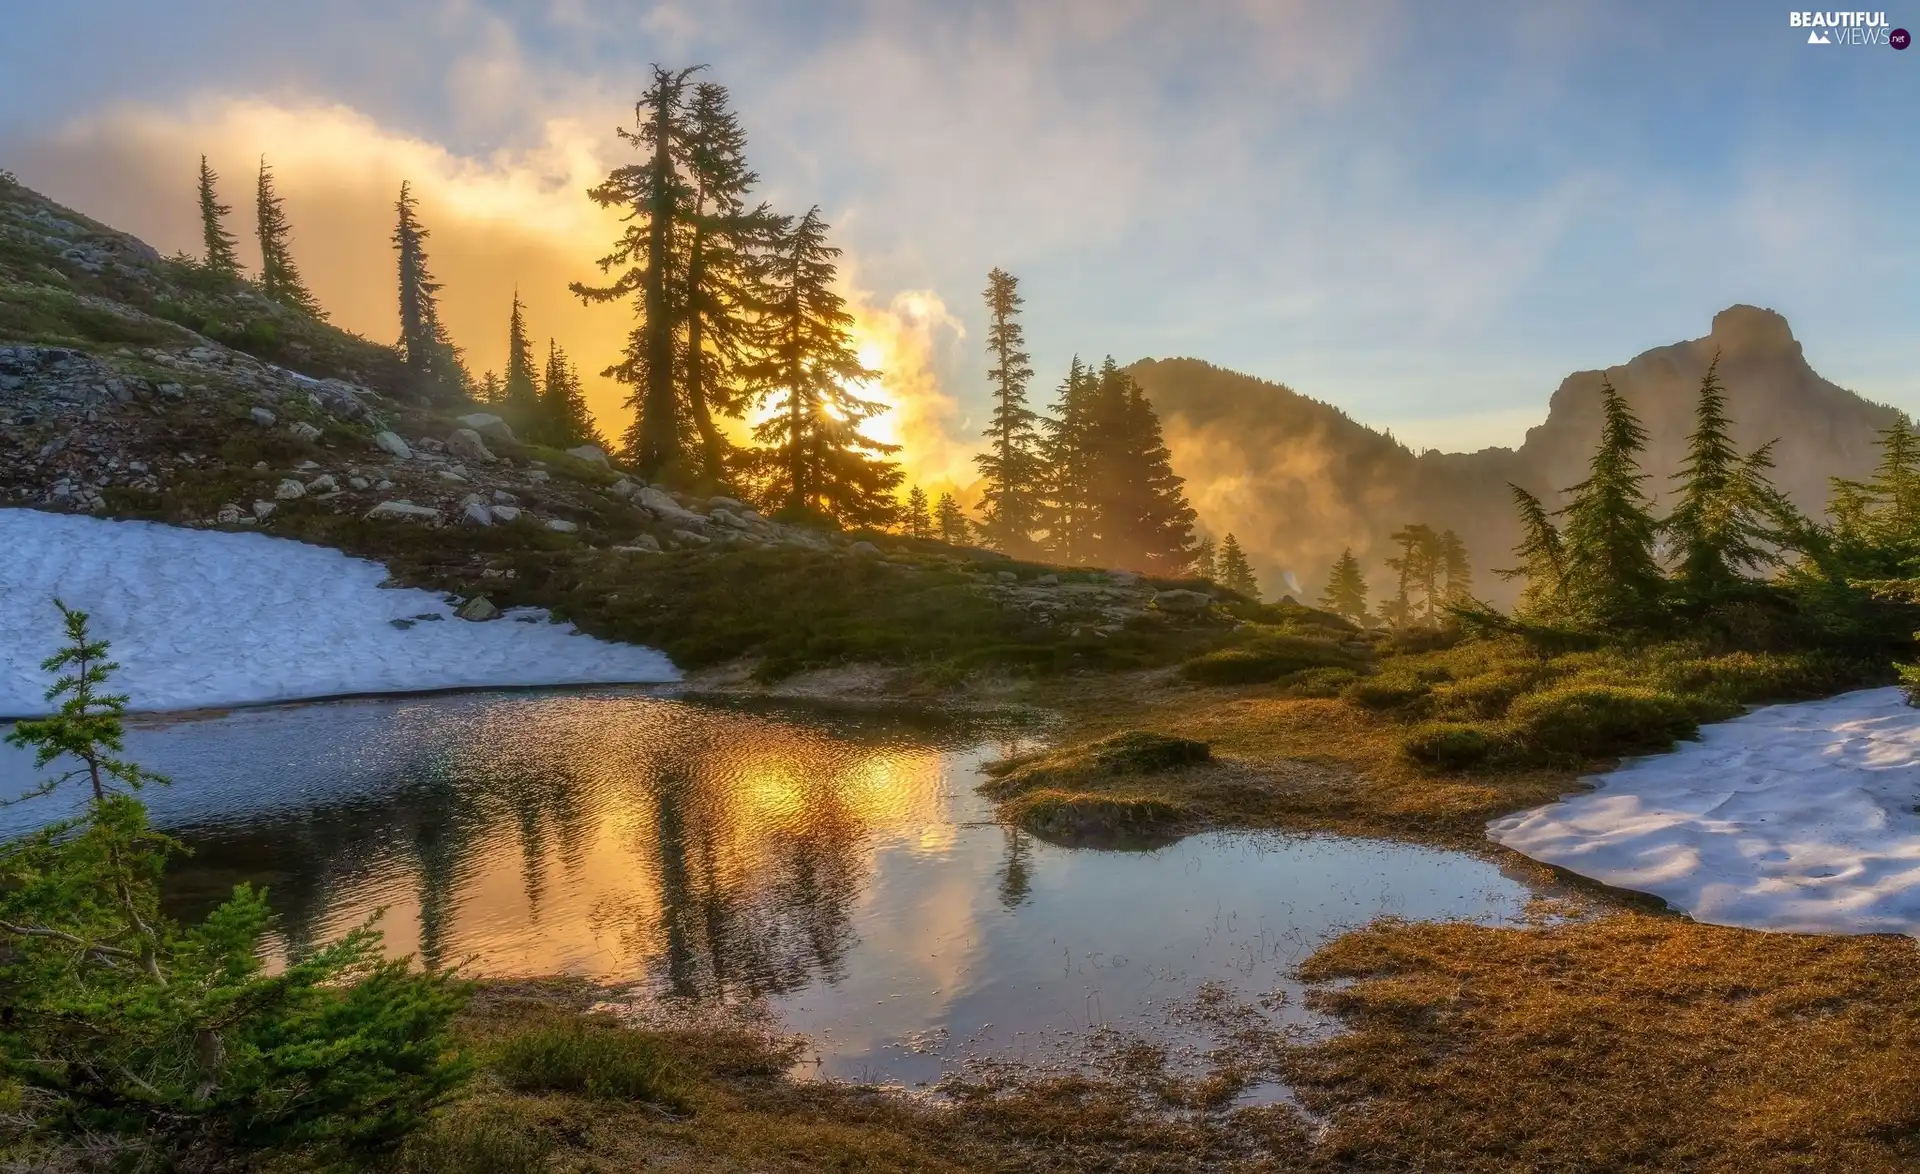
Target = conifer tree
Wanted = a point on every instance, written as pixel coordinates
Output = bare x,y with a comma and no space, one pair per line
819,462
563,404
279,277
219,256
657,199
489,390
1235,572
432,359
1455,569
1725,522
1542,561
1611,579
951,521
1894,491
918,520
520,391
1206,564
1068,453
1346,592
1011,464
1141,518
727,245
1416,576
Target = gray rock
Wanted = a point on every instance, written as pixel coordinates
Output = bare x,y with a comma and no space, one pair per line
1182,603
304,431
726,517
262,510
263,417
538,477
228,515
390,442
1124,578
1047,581
357,482
452,476
476,514
478,609
689,538
561,526
667,509
489,426
324,483
645,544
172,390
289,489
622,488
865,549
502,497
505,513
404,511
466,444
591,454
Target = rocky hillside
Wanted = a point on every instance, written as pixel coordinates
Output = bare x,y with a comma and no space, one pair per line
131,386
1296,479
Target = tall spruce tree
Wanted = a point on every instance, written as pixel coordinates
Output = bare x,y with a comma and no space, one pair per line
218,244
1542,560
656,198
433,362
279,276
819,463
1612,580
489,389
1206,562
1141,517
1236,574
1068,450
520,392
563,404
1346,592
951,521
1725,522
918,521
1011,464
723,290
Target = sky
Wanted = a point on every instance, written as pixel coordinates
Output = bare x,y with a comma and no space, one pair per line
1425,214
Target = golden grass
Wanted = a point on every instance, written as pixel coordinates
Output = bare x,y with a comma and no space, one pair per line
1626,1043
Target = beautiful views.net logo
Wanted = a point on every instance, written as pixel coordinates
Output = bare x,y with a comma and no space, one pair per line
1849,28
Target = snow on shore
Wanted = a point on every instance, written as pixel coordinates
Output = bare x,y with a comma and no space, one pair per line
202,618
1792,817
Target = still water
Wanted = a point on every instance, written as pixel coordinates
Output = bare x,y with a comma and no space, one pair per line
835,870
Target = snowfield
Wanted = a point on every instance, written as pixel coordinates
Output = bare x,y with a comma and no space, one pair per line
1792,817
202,618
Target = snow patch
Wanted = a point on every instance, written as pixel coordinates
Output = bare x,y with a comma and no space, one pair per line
1793,817
203,618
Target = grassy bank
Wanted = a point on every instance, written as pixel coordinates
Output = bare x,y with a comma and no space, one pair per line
1424,744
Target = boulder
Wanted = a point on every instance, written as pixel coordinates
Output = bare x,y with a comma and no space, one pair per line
502,497
622,488
358,482
228,515
390,442
304,431
644,544
668,509
591,454
262,510
403,511
561,526
478,609
263,417
289,489
1124,578
865,549
689,538
324,483
476,514
465,444
727,503
505,513
1182,603
489,426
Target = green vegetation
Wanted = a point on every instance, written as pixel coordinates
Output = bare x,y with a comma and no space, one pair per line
280,279
142,1040
591,1059
433,362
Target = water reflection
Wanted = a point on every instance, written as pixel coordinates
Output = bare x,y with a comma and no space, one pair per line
840,868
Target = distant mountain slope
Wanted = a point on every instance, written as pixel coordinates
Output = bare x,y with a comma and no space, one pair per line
1296,479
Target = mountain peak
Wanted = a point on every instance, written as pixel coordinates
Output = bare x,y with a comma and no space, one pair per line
1751,328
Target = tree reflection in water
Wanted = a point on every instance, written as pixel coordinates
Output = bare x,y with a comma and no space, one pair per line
711,852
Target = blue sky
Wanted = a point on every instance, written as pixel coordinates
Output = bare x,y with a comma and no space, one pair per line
1427,214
